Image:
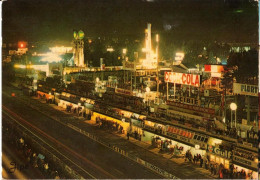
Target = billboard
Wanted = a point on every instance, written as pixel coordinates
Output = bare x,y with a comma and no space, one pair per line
191,107
182,78
128,65
213,68
245,89
123,91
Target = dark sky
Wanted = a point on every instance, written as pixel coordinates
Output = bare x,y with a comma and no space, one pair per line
54,20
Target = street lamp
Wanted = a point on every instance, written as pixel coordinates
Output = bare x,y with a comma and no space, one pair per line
233,107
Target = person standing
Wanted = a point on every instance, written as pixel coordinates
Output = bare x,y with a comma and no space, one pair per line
201,162
221,173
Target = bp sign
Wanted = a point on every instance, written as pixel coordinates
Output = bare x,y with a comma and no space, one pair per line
78,35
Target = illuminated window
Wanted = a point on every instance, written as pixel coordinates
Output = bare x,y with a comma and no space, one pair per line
217,160
212,158
226,165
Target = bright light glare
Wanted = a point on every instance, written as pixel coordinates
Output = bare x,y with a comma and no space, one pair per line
157,37
19,66
144,50
233,106
147,89
110,49
124,51
179,56
51,58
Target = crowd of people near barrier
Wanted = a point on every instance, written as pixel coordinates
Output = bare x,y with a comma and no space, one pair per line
210,126
166,146
135,135
215,169
32,155
103,123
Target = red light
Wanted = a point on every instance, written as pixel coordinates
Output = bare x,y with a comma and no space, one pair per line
22,44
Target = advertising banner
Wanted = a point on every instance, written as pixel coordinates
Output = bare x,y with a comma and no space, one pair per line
220,152
245,89
213,68
191,107
188,100
123,91
128,65
182,78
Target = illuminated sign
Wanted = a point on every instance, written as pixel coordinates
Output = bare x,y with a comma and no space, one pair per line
78,35
220,152
245,89
123,91
182,78
214,68
180,132
129,65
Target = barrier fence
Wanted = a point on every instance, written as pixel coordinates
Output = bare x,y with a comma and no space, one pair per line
116,149
125,154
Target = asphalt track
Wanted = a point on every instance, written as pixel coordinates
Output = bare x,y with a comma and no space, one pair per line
91,159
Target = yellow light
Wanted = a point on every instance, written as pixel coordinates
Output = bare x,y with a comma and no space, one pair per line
233,106
124,51
157,37
147,89
19,66
110,49
51,58
179,56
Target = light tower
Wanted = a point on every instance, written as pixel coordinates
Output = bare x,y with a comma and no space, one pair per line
148,42
78,48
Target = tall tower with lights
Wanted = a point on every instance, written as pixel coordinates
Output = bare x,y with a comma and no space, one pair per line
148,42
78,48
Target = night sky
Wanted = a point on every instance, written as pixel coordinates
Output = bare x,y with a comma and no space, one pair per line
55,20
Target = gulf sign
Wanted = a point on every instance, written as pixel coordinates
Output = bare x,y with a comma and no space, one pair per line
182,78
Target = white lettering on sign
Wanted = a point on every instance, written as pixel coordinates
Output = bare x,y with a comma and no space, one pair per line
182,78
221,152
